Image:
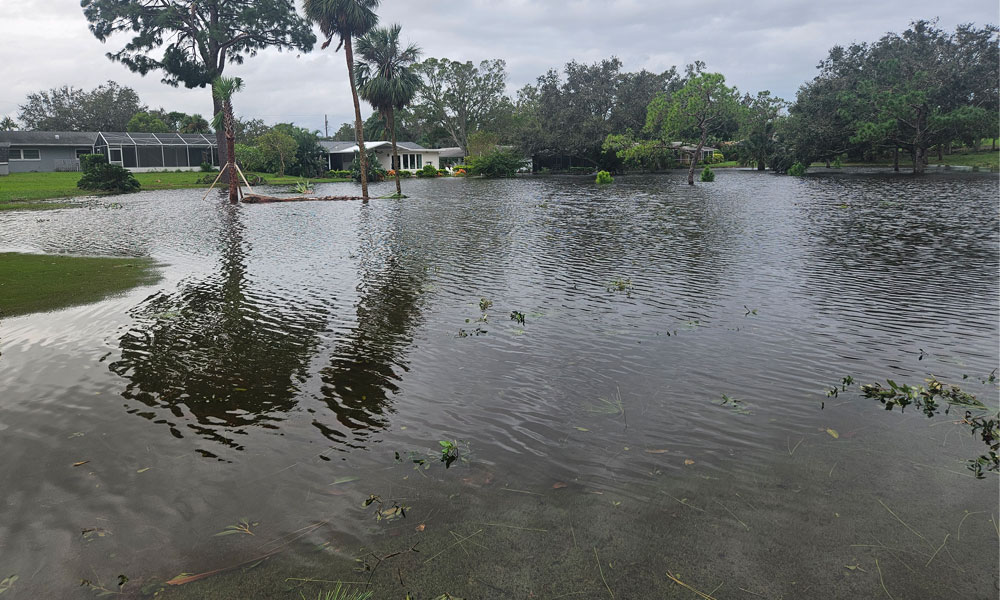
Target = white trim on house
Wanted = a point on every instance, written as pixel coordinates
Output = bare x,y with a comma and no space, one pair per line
20,154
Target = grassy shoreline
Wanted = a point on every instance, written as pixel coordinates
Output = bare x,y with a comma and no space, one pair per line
20,189
41,282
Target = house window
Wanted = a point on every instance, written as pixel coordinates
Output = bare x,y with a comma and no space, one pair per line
420,160
116,155
25,154
81,151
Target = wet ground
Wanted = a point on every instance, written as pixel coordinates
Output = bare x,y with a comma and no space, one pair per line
664,412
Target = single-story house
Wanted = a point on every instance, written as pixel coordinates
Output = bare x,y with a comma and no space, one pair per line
684,152
48,151
43,151
451,156
412,156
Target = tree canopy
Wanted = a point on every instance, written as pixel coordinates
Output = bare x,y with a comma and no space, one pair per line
108,107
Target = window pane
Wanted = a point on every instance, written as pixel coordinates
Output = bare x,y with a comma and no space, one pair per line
420,160
15,154
30,154
116,155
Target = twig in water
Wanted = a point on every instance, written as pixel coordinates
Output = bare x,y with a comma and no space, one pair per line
512,527
684,502
938,550
689,588
734,515
958,536
882,581
453,545
791,450
915,532
506,489
601,569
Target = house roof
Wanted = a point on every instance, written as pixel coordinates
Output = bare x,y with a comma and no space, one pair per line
454,152
49,138
351,147
133,138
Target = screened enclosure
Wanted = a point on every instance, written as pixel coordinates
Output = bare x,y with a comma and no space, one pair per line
155,151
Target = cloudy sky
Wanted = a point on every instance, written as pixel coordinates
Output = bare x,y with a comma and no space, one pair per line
756,44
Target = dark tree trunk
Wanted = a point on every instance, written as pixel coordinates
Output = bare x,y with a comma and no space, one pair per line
760,165
895,159
919,158
941,153
694,157
220,140
828,163
391,121
358,131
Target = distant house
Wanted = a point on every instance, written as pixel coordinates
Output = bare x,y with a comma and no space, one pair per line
43,151
412,157
684,152
49,151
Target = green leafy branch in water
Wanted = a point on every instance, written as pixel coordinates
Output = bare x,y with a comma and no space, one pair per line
734,404
928,399
449,452
517,317
395,511
243,526
99,588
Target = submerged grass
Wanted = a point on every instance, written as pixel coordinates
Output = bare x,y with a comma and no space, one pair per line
18,188
37,282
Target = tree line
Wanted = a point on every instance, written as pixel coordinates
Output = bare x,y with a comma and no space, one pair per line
906,93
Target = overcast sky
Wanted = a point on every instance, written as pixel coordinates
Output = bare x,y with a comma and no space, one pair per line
756,44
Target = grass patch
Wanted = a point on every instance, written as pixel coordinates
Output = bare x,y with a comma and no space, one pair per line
985,160
38,283
20,188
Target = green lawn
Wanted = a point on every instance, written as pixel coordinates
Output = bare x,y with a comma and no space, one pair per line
18,188
37,283
985,160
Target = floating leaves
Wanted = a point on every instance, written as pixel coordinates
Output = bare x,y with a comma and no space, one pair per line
517,316
92,533
833,433
688,461
350,478
80,463
7,582
737,406
241,527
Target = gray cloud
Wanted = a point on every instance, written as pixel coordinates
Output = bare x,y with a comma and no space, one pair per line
763,44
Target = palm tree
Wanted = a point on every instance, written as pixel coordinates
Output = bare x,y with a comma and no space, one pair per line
347,19
223,88
385,79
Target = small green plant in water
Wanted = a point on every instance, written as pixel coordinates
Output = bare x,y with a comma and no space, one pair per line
485,304
620,285
733,404
302,187
340,593
517,317
707,174
797,170
449,452
837,164
604,177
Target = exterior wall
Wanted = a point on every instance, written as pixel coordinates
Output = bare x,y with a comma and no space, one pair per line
384,154
51,158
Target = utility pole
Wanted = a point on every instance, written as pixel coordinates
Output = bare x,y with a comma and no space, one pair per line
326,125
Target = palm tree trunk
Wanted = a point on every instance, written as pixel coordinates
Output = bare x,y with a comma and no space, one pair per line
220,140
358,132
391,121
234,182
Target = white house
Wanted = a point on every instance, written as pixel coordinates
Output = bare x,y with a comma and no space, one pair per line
412,157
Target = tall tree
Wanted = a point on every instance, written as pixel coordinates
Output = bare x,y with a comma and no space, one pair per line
224,88
461,97
8,124
758,119
143,122
197,38
701,107
385,79
108,107
347,19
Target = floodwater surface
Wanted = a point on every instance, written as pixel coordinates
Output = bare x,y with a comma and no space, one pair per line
636,380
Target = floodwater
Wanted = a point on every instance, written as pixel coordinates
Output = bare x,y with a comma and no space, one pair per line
298,359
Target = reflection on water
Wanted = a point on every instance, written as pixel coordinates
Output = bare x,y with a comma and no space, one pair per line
367,363
305,345
223,349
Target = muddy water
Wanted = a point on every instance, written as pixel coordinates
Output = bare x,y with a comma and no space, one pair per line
292,352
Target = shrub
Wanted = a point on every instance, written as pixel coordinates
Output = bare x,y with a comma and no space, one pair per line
604,177
405,174
837,164
798,169
498,163
338,174
375,170
250,158
89,161
99,176
707,174
428,171
443,173
207,167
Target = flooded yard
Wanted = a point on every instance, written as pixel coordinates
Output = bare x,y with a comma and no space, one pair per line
639,389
